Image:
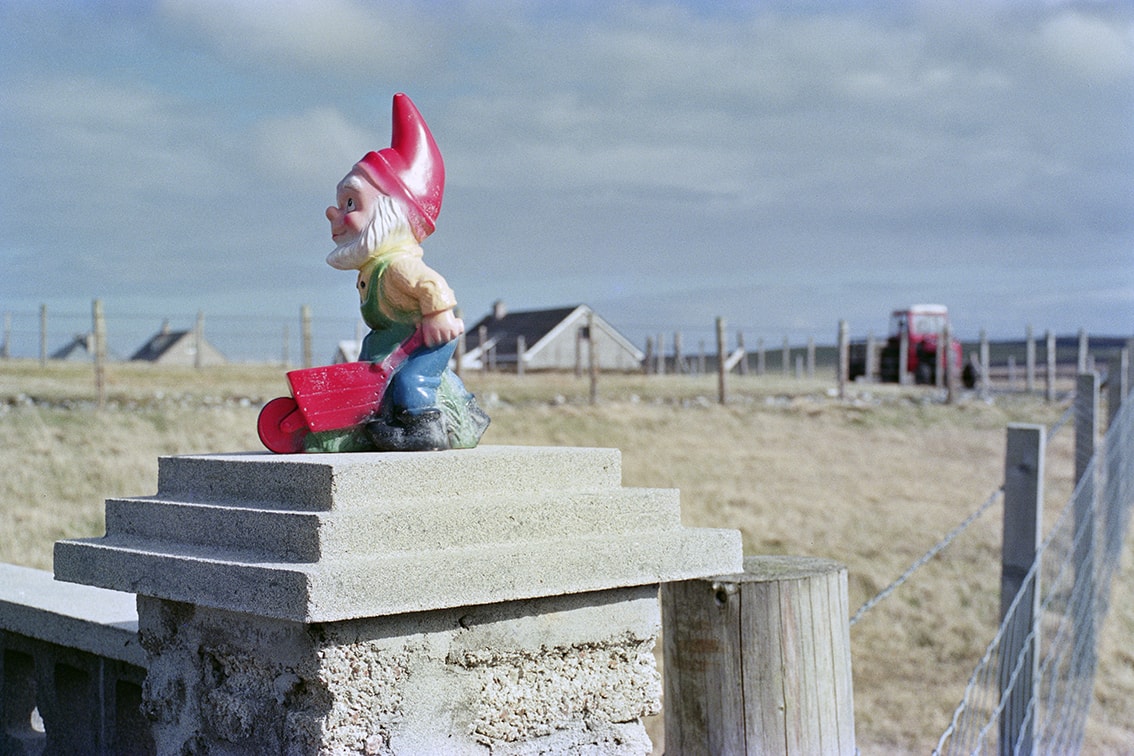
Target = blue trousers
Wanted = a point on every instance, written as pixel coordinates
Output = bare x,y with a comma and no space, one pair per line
414,386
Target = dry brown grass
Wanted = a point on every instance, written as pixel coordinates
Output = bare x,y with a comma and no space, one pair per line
873,483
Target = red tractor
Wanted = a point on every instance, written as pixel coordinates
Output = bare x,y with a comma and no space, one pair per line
921,327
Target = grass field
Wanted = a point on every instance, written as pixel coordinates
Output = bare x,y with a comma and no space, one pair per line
872,482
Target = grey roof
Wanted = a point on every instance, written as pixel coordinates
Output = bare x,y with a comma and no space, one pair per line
533,325
158,345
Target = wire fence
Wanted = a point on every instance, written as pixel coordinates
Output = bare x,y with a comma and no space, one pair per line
1057,653
63,333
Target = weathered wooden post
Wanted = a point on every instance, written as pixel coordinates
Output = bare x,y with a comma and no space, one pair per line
844,358
592,355
1020,596
1030,357
648,361
985,365
743,353
871,358
1086,504
43,335
943,357
305,334
482,342
1049,373
904,354
99,336
722,356
1119,469
950,367
1084,349
759,662
1118,384
199,340
678,354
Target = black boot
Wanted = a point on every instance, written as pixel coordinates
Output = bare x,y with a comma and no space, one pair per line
424,431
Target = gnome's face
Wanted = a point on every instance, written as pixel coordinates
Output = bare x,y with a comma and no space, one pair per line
355,209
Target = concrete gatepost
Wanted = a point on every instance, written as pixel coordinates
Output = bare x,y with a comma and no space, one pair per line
497,599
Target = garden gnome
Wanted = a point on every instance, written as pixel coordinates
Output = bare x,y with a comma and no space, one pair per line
385,206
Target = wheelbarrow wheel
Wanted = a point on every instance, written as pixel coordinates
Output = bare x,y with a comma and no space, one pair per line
281,426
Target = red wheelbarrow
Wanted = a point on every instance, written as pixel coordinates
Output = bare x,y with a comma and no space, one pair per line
329,398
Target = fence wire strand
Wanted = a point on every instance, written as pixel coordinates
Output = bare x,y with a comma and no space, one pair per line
924,558
1073,571
952,534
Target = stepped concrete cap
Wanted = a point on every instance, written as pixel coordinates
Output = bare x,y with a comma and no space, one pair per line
95,620
337,536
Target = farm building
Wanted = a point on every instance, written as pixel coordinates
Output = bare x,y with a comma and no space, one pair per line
81,347
553,339
168,347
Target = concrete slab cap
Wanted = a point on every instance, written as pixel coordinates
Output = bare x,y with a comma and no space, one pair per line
96,620
324,481
538,522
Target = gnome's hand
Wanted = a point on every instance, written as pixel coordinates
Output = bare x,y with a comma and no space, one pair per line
441,327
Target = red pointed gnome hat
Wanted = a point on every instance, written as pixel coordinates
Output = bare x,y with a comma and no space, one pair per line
410,169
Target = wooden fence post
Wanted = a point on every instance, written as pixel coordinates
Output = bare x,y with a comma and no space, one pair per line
985,365
1084,348
743,352
1118,390
305,334
1030,367
1049,388
199,340
661,354
1085,503
1118,384
678,354
871,358
99,332
43,335
950,368
1023,515
844,358
722,356
759,662
904,354
942,356
592,350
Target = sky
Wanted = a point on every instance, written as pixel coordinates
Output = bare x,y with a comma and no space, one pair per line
783,165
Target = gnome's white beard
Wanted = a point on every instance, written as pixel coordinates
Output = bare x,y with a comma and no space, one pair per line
387,223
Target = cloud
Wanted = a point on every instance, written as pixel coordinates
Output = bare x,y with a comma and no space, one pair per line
1096,47
313,147
347,36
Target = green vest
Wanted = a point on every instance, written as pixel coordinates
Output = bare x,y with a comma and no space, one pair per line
385,332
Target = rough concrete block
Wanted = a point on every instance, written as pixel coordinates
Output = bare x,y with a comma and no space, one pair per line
561,675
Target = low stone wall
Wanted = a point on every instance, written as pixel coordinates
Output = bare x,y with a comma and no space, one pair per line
71,668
